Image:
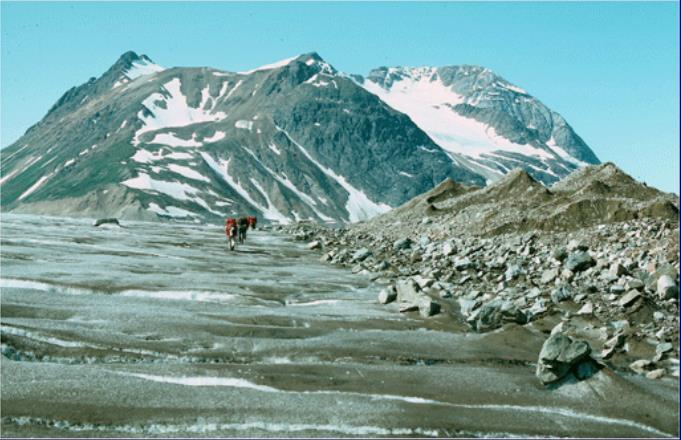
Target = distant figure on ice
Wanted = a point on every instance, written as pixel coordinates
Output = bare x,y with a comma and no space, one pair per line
252,222
231,231
243,227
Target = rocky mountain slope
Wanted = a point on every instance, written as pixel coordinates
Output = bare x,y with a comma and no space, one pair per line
288,141
483,121
592,261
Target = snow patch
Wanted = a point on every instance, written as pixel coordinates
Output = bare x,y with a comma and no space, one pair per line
217,136
176,190
276,65
187,172
171,140
34,187
272,146
175,112
243,124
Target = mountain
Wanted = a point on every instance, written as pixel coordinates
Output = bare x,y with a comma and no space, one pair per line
483,121
288,141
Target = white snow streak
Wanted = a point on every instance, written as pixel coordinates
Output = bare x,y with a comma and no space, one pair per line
171,140
217,136
187,172
276,65
33,187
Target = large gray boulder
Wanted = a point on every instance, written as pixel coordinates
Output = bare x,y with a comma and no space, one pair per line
428,307
558,356
360,255
579,261
408,291
497,312
667,287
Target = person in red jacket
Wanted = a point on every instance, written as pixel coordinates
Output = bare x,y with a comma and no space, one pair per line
252,222
231,231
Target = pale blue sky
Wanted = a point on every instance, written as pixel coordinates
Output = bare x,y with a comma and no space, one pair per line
611,69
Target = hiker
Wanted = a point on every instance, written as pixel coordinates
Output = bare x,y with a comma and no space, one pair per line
231,231
243,227
252,222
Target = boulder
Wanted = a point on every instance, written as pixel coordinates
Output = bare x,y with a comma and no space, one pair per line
617,270
548,276
579,261
402,243
560,294
497,312
512,272
105,221
448,249
641,366
314,245
629,298
577,245
408,291
428,307
466,306
667,288
559,355
387,295
462,263
360,255
559,254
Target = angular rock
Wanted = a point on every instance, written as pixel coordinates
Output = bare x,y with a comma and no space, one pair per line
497,312
655,374
428,307
560,294
466,306
513,272
577,245
408,291
548,276
462,263
559,254
640,366
360,255
629,298
402,243
448,249
617,270
314,245
579,261
558,356
387,295
667,288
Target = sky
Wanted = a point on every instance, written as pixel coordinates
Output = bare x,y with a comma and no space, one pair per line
611,69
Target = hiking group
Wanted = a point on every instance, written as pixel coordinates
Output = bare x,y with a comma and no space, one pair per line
236,229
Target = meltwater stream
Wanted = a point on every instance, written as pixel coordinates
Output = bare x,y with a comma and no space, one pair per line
159,330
